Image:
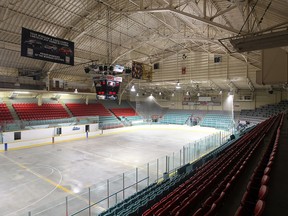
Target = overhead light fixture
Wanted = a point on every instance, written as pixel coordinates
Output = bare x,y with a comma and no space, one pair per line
198,94
178,85
258,40
173,94
220,92
137,94
133,89
21,92
187,93
230,93
160,93
76,91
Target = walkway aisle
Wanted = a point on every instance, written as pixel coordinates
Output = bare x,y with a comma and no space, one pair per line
277,199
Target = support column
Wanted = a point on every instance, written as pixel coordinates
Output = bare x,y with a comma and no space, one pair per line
39,102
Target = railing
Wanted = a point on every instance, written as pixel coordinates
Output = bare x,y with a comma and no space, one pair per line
108,193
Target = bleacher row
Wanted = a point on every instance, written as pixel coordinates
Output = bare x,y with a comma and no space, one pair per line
113,116
175,117
257,188
261,113
31,111
217,120
5,114
203,191
96,109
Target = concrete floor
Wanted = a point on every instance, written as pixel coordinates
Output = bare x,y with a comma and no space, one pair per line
38,179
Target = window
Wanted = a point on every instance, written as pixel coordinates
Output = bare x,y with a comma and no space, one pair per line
217,59
17,135
58,131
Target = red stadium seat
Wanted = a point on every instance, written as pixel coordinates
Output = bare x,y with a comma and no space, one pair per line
259,208
263,192
96,109
265,180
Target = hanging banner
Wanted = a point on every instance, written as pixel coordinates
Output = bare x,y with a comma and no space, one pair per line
137,70
44,47
141,71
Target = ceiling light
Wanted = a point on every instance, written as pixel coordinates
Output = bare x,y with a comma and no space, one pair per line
178,85
76,91
220,92
173,94
133,89
230,93
137,94
187,93
21,92
198,94
160,93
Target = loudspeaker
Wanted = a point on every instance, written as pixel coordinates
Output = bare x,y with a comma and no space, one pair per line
156,66
128,71
87,69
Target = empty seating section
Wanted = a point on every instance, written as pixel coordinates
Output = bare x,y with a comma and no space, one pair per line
221,121
31,111
204,190
176,117
215,181
81,109
110,104
260,114
253,200
119,112
128,116
5,115
208,189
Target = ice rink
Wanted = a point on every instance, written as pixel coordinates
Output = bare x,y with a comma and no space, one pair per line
37,180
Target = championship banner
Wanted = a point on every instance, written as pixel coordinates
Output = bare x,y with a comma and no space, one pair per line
147,72
137,70
44,47
141,71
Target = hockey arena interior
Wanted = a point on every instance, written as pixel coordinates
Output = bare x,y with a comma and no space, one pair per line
143,107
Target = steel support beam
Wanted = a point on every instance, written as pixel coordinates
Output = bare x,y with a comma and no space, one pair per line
172,10
223,12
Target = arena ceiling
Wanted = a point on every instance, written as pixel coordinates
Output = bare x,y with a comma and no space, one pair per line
119,31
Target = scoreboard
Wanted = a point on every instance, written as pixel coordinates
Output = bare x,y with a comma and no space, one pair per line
107,87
